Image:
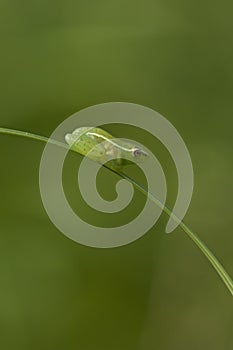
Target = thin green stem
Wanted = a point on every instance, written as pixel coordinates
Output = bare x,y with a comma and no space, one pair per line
29,135
205,250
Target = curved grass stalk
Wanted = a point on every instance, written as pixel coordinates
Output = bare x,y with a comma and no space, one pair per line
201,245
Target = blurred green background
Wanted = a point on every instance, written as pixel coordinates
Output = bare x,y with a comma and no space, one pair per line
159,292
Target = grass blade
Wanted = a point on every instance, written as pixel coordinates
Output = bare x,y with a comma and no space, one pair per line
201,245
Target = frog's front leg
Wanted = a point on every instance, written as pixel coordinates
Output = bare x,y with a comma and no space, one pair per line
115,154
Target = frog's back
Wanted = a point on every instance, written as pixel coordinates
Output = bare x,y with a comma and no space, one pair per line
85,138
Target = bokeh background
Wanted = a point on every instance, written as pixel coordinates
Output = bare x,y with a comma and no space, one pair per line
159,292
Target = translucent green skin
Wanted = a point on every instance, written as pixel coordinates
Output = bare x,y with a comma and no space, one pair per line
83,139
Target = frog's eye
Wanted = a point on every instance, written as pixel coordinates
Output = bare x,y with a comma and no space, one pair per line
137,152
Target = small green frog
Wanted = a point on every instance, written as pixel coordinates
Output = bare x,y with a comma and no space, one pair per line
84,139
